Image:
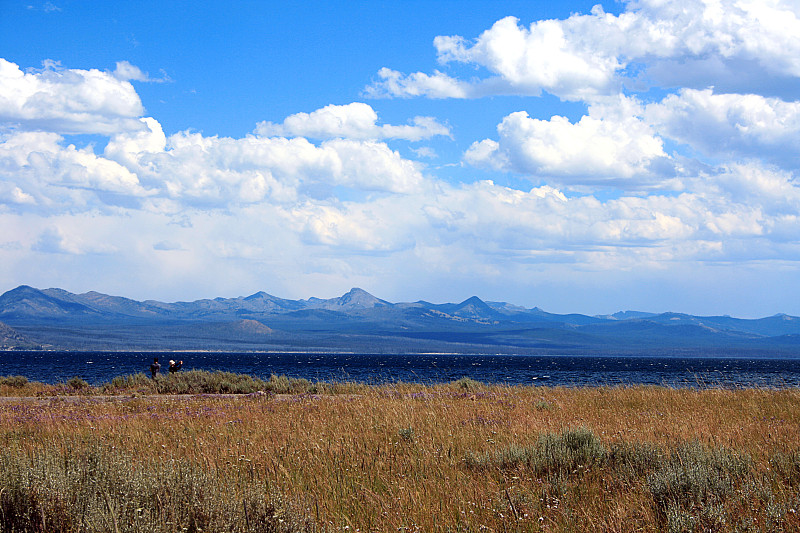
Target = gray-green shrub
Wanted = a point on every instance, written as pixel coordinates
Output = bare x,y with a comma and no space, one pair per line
697,478
92,488
14,381
553,453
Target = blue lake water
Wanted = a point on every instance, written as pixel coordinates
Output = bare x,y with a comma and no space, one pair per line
101,367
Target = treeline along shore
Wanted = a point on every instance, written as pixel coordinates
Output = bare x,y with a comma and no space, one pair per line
212,451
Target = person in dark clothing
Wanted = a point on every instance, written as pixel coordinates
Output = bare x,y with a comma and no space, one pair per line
174,367
154,368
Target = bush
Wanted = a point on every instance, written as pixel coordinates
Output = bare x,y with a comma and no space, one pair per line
78,384
95,488
560,453
16,382
286,385
696,477
636,459
467,384
132,381
569,450
205,382
407,434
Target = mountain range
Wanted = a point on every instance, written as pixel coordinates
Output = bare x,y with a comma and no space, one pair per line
360,322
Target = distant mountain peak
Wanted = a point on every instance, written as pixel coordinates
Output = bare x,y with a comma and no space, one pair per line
260,295
359,298
627,315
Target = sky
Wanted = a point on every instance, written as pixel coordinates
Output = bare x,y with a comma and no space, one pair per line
574,156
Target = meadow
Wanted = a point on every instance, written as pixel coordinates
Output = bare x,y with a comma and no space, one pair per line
214,452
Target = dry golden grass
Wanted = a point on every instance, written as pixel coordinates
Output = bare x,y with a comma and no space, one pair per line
398,457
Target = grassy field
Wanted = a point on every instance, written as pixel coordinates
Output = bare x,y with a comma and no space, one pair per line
134,456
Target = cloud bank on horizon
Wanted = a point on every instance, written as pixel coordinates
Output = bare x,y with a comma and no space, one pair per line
677,187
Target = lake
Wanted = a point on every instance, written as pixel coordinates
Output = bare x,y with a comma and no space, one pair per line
553,370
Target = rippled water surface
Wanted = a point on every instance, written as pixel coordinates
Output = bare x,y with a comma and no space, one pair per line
100,367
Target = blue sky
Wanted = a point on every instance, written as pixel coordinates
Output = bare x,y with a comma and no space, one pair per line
580,158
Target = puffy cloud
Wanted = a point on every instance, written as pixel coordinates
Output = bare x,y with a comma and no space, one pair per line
543,221
381,226
146,168
125,71
353,121
438,235
347,207
696,43
738,46
37,170
771,191
216,171
438,85
128,147
725,125
610,146
67,100
487,226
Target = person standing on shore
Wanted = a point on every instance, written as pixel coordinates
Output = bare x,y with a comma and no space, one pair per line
154,368
174,367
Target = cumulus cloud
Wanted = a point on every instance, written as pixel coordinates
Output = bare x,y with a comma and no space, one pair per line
216,171
36,170
381,226
276,198
127,147
690,44
774,192
67,100
352,121
731,125
488,223
609,146
144,167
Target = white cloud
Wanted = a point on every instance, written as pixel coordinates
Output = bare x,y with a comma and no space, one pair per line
547,56
609,146
380,226
125,71
438,85
433,237
352,121
731,125
773,192
253,169
347,207
67,100
145,168
694,44
425,152
127,147
37,170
